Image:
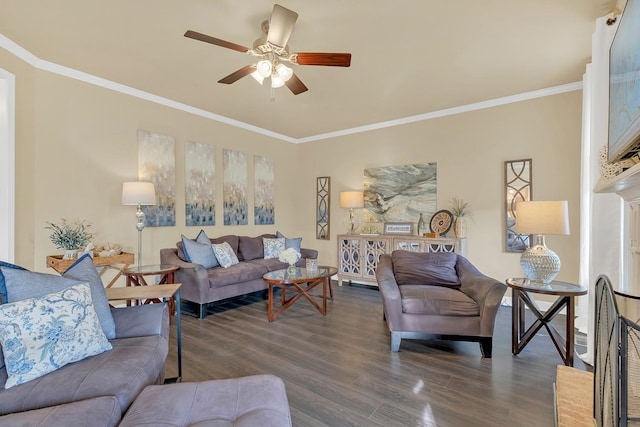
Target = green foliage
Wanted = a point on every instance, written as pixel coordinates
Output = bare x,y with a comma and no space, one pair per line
69,236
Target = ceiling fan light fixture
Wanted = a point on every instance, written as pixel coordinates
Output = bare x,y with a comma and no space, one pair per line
276,81
259,77
284,72
264,68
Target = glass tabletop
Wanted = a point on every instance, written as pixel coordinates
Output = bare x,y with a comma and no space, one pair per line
552,288
151,269
301,274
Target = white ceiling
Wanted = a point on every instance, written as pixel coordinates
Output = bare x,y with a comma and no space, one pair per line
409,57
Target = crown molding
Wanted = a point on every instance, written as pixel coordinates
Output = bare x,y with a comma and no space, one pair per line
41,64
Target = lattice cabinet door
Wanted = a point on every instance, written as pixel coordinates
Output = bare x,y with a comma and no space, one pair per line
409,244
374,248
444,245
350,259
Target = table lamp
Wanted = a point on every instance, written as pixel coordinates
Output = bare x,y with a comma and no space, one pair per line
539,263
352,200
139,193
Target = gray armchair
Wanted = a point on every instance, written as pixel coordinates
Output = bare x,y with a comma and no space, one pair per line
426,294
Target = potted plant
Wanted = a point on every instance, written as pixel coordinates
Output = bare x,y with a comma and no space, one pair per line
461,210
70,236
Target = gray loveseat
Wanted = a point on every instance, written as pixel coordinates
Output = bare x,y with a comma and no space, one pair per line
443,294
95,391
203,286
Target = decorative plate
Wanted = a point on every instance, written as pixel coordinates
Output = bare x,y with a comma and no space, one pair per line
441,222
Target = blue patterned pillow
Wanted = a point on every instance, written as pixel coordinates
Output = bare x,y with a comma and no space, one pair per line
294,243
199,251
273,247
225,255
40,335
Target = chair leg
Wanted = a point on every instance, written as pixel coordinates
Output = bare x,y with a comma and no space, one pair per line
486,345
395,341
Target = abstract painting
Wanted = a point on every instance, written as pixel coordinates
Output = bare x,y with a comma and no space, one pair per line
200,183
400,193
264,190
157,164
234,188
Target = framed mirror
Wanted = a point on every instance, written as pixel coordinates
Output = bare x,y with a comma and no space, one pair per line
323,207
518,187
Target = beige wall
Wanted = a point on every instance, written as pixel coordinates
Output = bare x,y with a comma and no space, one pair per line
469,150
76,144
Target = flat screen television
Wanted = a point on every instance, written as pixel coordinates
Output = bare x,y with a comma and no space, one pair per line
624,85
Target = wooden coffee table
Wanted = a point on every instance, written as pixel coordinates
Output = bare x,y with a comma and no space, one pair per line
301,283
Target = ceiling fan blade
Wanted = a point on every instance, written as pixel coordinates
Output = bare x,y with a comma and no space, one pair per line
295,85
218,42
237,75
318,58
281,25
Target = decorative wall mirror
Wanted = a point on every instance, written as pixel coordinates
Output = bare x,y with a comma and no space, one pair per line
518,186
323,207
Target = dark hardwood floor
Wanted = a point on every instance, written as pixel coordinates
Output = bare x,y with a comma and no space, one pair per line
339,370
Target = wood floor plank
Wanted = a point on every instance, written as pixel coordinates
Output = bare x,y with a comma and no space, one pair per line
339,371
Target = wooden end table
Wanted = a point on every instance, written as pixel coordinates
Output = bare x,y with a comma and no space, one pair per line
135,277
103,262
169,292
566,293
301,283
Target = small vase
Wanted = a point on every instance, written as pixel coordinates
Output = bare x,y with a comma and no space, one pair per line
292,269
69,253
460,227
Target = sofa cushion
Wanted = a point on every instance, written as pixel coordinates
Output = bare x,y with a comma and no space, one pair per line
123,372
294,243
3,288
430,268
239,273
83,270
40,335
198,252
251,247
23,284
272,264
273,247
225,255
102,411
437,300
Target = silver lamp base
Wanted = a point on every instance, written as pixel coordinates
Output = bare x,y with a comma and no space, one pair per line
539,263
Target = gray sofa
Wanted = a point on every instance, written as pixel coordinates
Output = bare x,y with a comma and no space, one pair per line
443,294
97,390
204,286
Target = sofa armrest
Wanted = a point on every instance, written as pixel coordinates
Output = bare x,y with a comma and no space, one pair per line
194,277
141,320
391,298
484,290
308,253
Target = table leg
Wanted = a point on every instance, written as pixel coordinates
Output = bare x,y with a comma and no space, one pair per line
179,332
324,295
515,320
166,279
570,331
270,303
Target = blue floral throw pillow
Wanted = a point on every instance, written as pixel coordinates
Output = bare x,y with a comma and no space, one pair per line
273,247
225,255
40,335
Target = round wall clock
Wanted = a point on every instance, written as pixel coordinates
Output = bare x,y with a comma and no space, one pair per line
441,222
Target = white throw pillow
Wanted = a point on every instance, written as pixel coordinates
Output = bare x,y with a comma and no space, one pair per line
273,247
225,255
40,335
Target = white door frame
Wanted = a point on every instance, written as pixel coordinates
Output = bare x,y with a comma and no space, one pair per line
7,165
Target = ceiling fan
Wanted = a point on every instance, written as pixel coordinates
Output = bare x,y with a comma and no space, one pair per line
273,52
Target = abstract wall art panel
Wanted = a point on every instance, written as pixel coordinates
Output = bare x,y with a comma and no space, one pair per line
234,193
264,190
400,193
200,183
157,163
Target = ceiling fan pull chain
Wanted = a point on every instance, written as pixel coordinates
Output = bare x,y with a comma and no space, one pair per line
272,98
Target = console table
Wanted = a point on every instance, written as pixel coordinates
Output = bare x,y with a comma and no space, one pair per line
358,254
125,259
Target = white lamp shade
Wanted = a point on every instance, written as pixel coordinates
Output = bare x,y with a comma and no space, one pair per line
138,193
542,217
351,199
